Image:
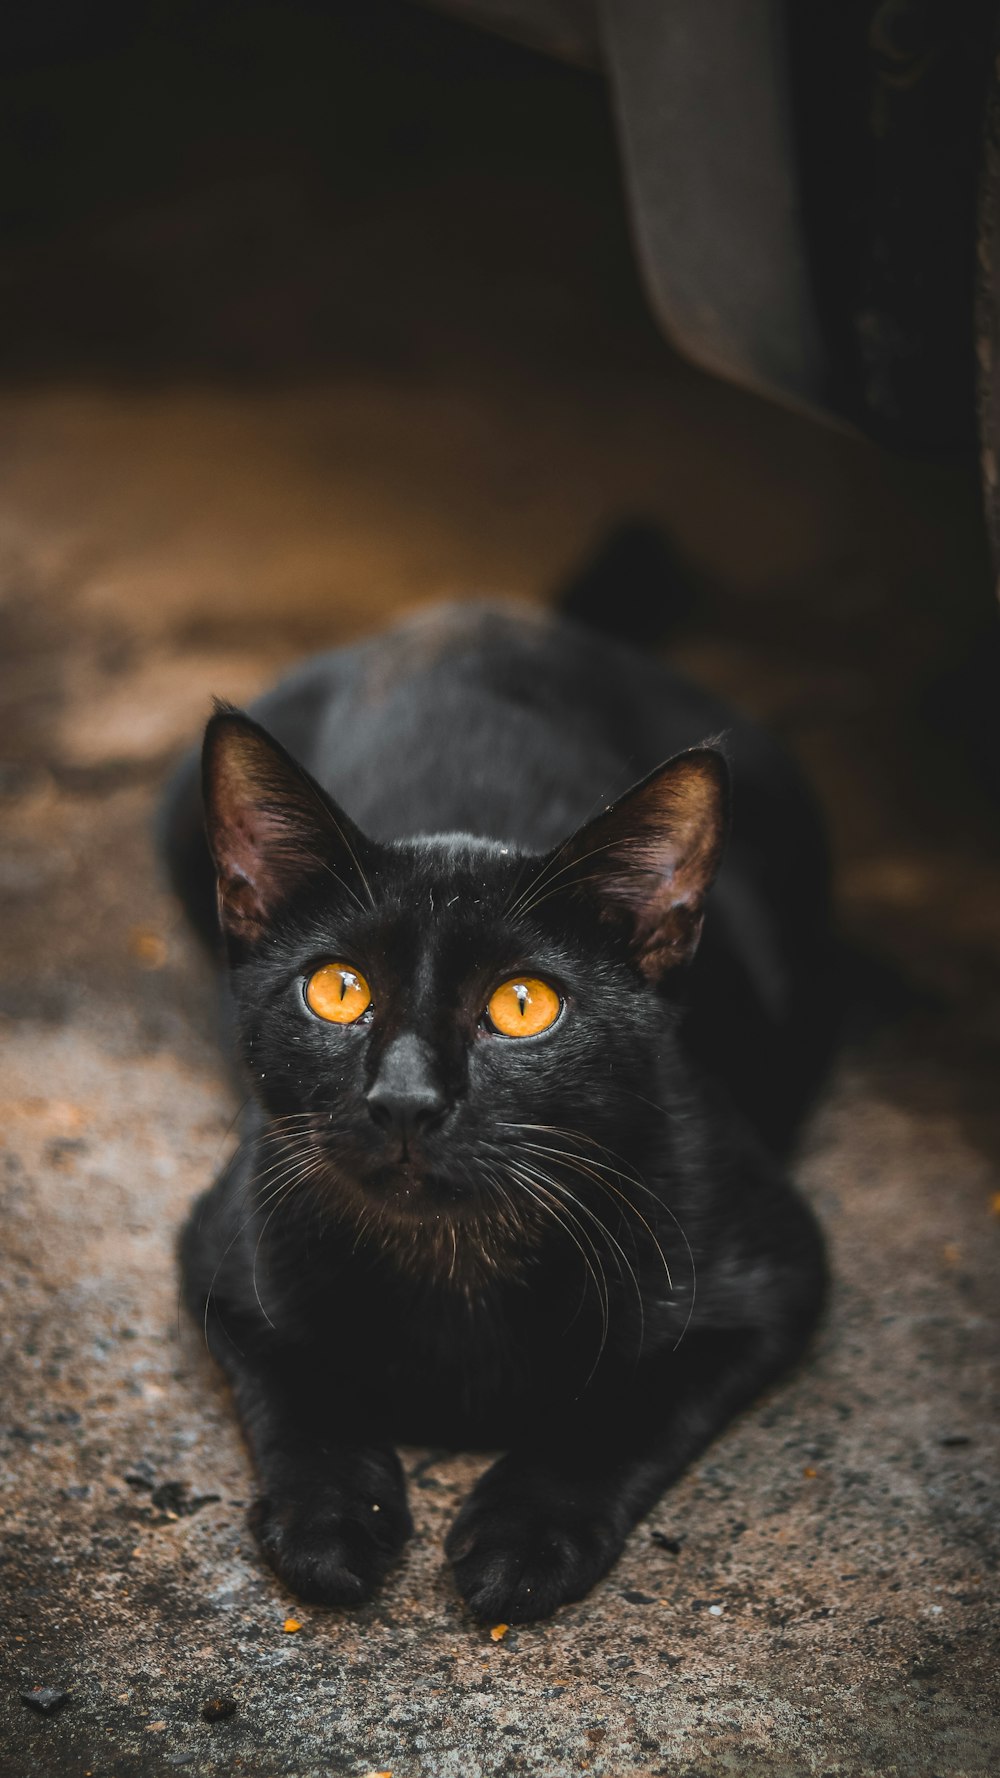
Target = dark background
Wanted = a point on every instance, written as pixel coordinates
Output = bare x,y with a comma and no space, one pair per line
245,191
268,199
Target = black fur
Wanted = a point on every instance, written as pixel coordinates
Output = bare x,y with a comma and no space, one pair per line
587,1254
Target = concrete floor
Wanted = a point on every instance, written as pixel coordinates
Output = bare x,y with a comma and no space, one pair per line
819,1595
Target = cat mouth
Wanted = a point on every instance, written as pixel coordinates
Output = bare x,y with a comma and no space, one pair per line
410,1188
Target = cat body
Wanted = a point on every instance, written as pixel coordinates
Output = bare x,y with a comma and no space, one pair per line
576,1245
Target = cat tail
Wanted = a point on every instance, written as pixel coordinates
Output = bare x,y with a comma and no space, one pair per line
635,586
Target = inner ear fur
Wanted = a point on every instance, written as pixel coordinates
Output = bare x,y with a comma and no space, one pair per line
269,826
651,858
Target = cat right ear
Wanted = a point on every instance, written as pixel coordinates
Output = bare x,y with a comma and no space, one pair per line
649,860
269,827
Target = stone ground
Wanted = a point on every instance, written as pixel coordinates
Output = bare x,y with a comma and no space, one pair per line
819,1595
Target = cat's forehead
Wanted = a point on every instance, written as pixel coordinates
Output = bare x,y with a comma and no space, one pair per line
441,905
432,912
454,870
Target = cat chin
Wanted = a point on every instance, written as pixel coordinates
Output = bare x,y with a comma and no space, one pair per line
462,1254
414,1192
441,1231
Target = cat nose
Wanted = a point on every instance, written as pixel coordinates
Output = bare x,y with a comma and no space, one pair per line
405,1098
406,1113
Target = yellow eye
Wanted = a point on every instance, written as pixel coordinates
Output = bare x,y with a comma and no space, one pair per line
338,993
523,1007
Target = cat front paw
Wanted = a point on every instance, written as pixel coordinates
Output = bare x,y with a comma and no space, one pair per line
329,1551
519,1557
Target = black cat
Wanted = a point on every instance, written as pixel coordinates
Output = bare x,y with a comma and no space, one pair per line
508,1179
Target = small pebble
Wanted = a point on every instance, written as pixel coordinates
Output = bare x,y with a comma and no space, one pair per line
147,947
715,1611
174,1499
218,1709
45,1698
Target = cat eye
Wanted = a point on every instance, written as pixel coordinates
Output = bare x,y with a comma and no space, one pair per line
523,1007
338,993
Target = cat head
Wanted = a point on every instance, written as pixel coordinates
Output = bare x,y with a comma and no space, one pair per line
454,1040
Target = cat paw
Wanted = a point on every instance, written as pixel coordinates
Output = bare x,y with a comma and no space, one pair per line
328,1551
520,1558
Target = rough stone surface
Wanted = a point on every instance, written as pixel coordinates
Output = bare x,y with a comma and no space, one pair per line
819,1594
829,1607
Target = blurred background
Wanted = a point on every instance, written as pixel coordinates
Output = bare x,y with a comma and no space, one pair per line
316,311
313,313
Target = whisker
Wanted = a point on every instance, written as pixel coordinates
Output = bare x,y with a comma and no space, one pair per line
619,1165
621,1255
531,1184
540,878
262,1200
282,1195
595,1171
288,1161
629,1173
666,1207
547,877
329,815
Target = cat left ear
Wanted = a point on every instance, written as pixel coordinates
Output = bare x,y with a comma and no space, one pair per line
269,826
651,858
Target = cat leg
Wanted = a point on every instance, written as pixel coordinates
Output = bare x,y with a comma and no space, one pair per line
331,1515
548,1520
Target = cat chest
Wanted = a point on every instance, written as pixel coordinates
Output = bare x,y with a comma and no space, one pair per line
450,1375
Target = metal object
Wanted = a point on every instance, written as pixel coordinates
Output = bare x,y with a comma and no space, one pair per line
802,183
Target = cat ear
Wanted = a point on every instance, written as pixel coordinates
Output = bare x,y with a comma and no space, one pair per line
650,859
269,826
